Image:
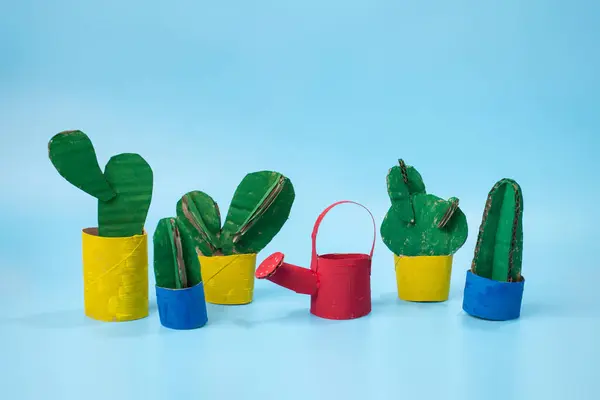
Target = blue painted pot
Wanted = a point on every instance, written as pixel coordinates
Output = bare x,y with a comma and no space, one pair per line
488,299
182,308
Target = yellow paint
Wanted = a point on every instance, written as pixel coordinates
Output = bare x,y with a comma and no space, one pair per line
228,279
115,276
423,278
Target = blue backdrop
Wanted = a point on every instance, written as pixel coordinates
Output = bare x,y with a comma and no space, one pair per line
331,94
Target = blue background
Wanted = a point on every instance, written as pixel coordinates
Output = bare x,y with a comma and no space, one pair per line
331,94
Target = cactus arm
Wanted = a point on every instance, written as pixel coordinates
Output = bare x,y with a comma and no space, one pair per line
200,218
452,228
124,216
165,266
413,178
72,154
425,237
400,196
404,181
499,247
260,207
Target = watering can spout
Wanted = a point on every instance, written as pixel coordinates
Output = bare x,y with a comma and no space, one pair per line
300,280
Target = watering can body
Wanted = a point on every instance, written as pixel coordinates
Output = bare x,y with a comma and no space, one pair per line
339,284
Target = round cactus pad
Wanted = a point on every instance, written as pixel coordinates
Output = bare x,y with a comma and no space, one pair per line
268,267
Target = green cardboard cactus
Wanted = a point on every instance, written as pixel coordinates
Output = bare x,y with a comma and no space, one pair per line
499,248
123,190
418,223
176,265
260,207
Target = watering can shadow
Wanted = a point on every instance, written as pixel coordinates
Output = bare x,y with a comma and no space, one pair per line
339,285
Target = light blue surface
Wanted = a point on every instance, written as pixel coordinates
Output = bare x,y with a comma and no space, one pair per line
331,94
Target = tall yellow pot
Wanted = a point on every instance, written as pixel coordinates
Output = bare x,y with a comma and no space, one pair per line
423,278
228,279
115,276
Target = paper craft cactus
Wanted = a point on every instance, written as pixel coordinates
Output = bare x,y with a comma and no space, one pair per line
124,190
260,207
175,266
418,223
499,248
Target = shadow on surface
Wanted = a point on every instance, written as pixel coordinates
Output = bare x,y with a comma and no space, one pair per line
67,319
218,314
473,323
62,319
390,301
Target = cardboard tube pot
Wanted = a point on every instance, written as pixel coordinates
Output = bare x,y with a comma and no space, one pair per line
182,308
115,276
228,280
492,300
423,278
339,284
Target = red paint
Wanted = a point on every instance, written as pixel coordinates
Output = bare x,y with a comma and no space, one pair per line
339,284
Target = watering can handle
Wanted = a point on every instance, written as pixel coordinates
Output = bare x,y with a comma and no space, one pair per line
320,219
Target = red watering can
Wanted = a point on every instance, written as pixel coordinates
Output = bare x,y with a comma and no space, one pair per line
339,285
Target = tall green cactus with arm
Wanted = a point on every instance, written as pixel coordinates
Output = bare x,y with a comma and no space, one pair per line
499,247
417,223
124,190
260,207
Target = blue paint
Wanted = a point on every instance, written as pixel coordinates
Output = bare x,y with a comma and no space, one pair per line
488,299
182,308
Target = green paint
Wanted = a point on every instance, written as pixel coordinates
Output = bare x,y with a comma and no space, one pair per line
403,182
260,207
200,219
172,269
131,177
499,248
72,154
124,190
417,223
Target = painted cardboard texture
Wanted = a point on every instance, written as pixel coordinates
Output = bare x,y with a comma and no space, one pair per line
499,248
229,279
423,231
115,276
260,207
179,287
492,300
115,259
418,223
494,285
123,190
424,278
175,262
339,284
182,308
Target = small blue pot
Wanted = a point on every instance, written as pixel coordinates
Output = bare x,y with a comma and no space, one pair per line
182,308
488,299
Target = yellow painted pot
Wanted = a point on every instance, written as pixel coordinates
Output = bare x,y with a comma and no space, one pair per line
423,278
115,276
228,279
